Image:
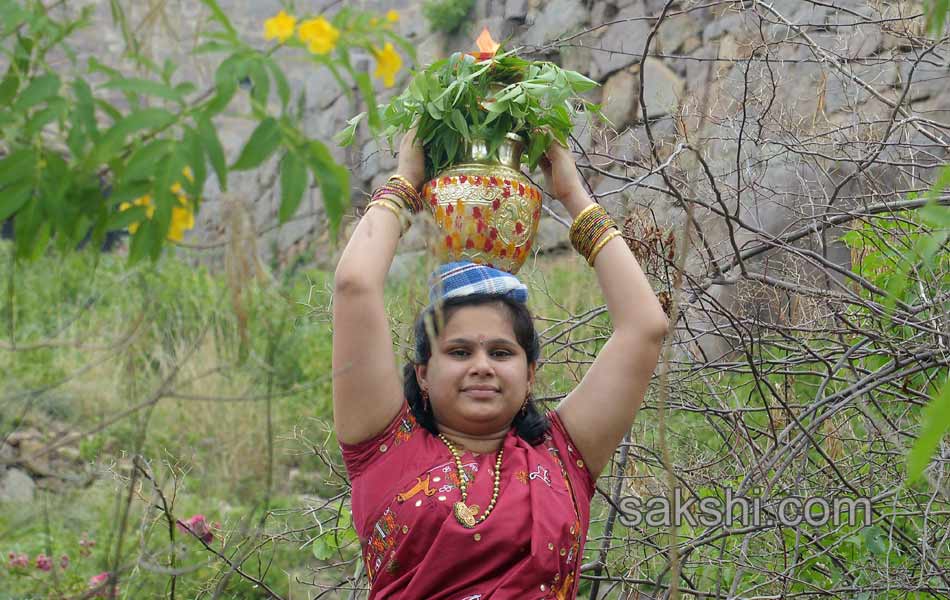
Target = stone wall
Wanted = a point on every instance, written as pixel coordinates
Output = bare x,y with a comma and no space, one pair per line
771,113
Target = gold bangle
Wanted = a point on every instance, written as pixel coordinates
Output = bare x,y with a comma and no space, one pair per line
404,180
587,209
394,198
588,226
391,206
578,219
588,235
415,202
600,245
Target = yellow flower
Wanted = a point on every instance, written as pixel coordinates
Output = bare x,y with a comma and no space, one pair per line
388,63
182,220
145,201
392,16
280,26
183,217
319,35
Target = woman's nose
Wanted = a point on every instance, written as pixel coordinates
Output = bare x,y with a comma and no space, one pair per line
481,362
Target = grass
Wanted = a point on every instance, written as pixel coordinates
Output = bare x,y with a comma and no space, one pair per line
220,391
94,338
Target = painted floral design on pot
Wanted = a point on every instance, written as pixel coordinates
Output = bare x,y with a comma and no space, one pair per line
486,209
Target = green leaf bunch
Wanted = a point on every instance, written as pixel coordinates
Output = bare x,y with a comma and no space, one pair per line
80,142
460,99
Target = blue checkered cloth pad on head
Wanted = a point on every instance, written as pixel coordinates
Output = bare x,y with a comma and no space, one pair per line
466,278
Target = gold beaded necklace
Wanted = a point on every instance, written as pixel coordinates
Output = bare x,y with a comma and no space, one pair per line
464,513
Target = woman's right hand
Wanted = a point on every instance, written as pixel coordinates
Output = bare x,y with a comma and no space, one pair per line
412,160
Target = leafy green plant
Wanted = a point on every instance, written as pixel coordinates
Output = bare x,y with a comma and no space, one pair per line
460,99
446,15
904,254
66,141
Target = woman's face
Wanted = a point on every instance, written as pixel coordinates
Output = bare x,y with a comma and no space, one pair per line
478,376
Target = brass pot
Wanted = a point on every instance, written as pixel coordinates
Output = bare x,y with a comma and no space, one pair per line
487,210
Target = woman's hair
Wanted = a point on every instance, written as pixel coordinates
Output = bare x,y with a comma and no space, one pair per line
530,425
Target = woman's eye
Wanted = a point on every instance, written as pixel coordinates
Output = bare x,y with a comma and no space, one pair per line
501,353
458,352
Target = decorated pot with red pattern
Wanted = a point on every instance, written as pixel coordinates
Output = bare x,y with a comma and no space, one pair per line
487,211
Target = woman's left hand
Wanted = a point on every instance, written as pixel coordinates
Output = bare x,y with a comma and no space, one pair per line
412,160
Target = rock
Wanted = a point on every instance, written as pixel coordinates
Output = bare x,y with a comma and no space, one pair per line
662,88
633,145
578,58
675,31
34,457
432,49
69,453
412,23
903,27
317,83
516,9
796,85
860,42
691,43
928,79
7,454
842,92
16,486
377,157
728,23
612,196
552,236
729,48
558,17
701,70
622,43
602,12
18,437
620,100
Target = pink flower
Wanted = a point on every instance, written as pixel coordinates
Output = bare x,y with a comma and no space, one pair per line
100,583
18,560
43,562
64,562
85,545
198,526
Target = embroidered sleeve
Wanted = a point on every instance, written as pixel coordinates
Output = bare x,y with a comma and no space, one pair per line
358,457
573,461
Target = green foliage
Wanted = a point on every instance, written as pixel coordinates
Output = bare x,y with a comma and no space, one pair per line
937,15
67,139
446,15
460,99
905,254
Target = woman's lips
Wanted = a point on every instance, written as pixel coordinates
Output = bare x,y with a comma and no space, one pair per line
481,392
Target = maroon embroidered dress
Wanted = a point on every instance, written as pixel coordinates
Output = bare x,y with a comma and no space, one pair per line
405,483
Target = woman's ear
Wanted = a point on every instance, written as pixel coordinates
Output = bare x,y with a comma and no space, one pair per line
531,369
421,373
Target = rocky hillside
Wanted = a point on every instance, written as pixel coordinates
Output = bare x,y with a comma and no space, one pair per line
761,118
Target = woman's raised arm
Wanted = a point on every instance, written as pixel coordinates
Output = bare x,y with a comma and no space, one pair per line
367,392
601,409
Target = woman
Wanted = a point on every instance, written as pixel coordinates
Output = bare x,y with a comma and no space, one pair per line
461,488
